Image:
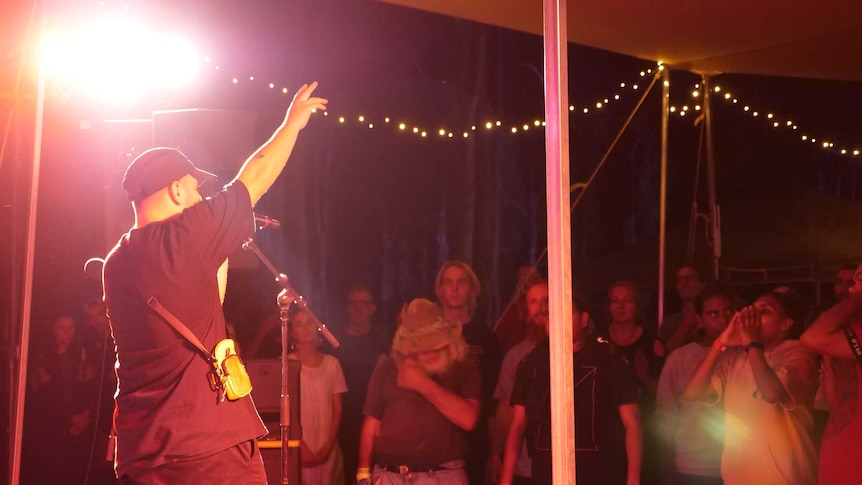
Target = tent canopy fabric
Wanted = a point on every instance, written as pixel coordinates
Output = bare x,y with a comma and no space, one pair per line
792,38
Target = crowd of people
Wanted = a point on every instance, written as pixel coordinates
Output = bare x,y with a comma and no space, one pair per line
721,392
724,394
70,402
732,403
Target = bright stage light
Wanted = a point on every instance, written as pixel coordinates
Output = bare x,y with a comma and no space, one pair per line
118,60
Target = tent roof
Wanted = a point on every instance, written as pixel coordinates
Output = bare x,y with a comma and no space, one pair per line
795,38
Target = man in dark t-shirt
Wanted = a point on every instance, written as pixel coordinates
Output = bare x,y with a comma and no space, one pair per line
171,427
607,420
362,347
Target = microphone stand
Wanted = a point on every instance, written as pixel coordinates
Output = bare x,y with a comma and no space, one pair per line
291,459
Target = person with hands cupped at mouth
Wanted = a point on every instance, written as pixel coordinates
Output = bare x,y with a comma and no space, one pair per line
767,392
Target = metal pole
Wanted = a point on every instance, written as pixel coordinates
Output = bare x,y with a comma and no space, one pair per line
662,228
715,225
26,304
559,241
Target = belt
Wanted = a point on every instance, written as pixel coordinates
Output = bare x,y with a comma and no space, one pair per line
407,470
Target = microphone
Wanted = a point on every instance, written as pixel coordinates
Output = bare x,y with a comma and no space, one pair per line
265,221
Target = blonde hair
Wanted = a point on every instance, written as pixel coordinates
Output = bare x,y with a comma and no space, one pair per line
475,287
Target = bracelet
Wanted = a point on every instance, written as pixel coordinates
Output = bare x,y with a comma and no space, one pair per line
362,474
720,346
753,345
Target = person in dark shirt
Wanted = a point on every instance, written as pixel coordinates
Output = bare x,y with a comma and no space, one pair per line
681,328
608,432
457,288
171,426
362,347
59,408
635,339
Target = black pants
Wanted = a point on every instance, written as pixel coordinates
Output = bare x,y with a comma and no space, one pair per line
238,464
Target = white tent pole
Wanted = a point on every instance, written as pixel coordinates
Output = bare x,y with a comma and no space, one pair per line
26,304
715,225
559,241
662,229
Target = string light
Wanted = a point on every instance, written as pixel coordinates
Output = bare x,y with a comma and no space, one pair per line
515,129
365,120
778,123
602,102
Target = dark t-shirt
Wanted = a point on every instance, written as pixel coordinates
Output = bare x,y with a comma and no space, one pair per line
165,407
358,355
602,384
412,431
486,353
640,353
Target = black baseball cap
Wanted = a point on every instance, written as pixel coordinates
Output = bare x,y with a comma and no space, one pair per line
156,168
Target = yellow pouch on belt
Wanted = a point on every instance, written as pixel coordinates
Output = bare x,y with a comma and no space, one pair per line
234,378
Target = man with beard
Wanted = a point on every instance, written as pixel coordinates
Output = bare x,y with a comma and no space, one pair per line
608,431
420,403
844,281
537,317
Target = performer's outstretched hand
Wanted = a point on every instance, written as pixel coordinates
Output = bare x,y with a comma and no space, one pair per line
303,105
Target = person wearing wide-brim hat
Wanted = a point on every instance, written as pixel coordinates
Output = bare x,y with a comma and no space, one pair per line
420,402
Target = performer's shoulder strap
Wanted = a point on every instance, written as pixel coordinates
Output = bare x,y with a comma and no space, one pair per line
179,327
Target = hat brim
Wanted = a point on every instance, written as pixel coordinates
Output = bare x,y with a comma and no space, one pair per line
204,176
